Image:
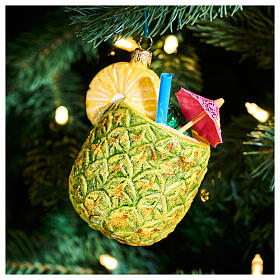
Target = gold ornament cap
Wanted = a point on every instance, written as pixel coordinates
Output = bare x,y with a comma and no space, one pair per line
144,56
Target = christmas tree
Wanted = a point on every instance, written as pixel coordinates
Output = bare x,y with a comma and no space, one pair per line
219,51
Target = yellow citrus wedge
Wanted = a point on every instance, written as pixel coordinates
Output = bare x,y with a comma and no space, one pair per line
132,81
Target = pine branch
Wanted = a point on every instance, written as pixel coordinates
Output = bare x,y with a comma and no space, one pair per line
103,23
262,139
40,77
34,256
38,268
251,33
36,57
48,164
39,105
36,60
56,249
184,65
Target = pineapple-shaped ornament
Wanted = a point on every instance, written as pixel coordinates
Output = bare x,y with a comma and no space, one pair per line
133,179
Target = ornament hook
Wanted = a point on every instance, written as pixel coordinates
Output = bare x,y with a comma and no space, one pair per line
148,38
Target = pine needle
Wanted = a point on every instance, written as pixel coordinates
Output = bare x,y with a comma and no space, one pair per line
103,23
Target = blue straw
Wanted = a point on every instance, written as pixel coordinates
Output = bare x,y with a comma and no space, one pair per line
163,99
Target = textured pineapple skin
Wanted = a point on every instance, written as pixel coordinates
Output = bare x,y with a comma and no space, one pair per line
133,180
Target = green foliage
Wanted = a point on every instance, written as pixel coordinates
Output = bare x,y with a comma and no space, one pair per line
101,23
234,133
47,168
175,117
184,65
251,33
198,228
65,245
63,89
38,64
39,268
235,192
262,159
56,48
199,271
41,77
194,271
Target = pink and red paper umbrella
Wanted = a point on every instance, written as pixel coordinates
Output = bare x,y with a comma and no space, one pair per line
203,114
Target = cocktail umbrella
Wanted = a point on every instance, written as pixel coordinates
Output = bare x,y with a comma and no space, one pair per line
203,114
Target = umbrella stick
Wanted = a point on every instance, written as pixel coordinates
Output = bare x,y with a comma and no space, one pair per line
219,102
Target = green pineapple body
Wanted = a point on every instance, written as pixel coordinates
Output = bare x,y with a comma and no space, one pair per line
134,180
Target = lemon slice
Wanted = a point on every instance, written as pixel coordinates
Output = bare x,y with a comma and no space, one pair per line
132,81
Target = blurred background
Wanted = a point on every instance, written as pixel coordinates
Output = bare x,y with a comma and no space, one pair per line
48,66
